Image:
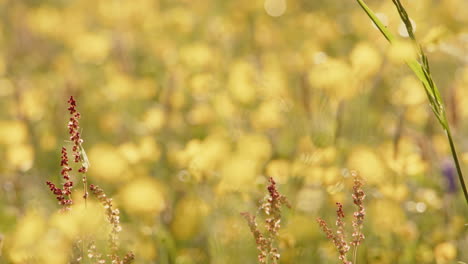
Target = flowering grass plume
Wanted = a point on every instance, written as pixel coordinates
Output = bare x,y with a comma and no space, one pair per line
113,217
79,153
339,238
266,241
63,194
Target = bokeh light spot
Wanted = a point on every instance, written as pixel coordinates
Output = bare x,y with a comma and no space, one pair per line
275,8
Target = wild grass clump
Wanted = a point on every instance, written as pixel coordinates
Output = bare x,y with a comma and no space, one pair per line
339,238
266,241
64,196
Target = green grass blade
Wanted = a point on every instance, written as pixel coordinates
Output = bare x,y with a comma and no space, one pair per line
383,29
422,72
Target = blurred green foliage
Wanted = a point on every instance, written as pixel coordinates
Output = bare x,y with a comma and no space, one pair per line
188,105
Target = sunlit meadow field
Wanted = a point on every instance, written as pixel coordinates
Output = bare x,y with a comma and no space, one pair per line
189,107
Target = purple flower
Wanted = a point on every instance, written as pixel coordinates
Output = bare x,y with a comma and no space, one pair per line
449,172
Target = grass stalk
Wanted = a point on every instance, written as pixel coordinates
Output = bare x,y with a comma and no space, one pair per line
457,163
422,71
355,255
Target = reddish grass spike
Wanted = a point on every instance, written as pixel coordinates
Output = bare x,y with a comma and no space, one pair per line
339,239
64,195
340,212
129,257
72,104
325,228
113,217
359,214
266,241
73,130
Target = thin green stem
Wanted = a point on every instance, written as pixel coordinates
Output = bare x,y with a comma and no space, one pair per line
355,254
422,71
457,163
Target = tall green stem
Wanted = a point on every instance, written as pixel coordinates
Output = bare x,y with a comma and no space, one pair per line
457,163
422,71
355,254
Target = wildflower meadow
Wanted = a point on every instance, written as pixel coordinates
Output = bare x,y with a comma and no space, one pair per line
233,132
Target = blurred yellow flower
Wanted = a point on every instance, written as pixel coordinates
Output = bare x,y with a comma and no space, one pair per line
130,151
107,163
52,240
189,217
145,249
241,82
275,83
385,215
81,221
424,254
202,159
197,55
407,160
13,132
322,156
109,121
201,114
314,175
229,229
191,256
224,106
237,174
2,70
410,92
396,192
177,99
29,230
20,156
201,85
408,231
368,164
146,88
335,77
93,47
143,196
119,86
178,19
280,170
48,141
440,143
310,200
32,103
365,60
268,115
331,175
45,20
254,146
148,149
305,146
7,87
417,114
300,227
445,253
154,119
402,51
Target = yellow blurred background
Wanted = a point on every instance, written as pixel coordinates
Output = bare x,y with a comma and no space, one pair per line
188,106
